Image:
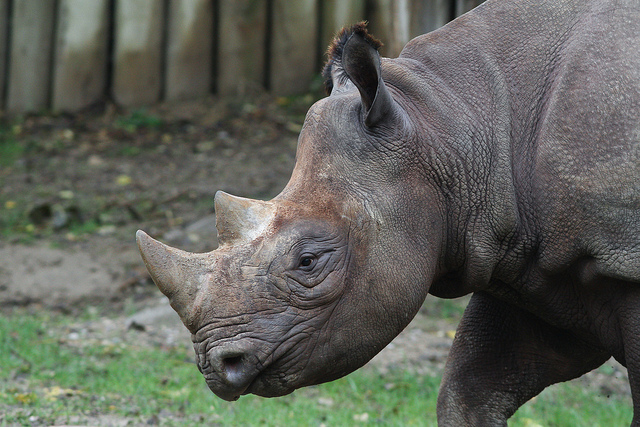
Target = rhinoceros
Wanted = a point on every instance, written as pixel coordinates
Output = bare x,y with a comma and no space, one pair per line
498,156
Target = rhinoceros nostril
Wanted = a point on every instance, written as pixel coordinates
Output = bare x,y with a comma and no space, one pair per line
232,363
233,367
237,370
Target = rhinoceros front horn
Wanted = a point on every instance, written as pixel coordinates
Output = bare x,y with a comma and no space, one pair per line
178,274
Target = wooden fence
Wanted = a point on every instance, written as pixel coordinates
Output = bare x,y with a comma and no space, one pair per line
65,55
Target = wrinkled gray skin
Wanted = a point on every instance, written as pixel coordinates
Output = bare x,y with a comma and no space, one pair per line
498,156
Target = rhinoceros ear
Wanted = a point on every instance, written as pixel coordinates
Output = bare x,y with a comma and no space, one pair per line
354,58
239,220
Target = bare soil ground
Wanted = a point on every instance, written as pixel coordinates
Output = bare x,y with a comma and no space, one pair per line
74,189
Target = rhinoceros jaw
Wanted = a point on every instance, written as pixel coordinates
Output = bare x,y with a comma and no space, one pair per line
240,220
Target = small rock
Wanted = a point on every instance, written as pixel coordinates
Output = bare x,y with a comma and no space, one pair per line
203,226
59,218
363,418
66,194
174,235
95,160
106,230
325,401
205,146
153,317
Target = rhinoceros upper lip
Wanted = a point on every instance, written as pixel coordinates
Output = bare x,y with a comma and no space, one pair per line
235,380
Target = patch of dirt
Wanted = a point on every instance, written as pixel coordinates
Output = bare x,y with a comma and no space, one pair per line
81,185
58,277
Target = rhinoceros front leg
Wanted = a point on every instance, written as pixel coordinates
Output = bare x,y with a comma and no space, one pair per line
501,357
629,324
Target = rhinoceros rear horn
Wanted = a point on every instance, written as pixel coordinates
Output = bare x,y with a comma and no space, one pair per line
240,220
354,57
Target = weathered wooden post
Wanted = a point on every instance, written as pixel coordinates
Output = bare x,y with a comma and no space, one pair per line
241,45
4,25
188,67
293,49
464,6
31,43
426,16
80,63
138,52
336,14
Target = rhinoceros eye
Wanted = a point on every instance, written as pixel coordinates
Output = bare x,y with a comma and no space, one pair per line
307,261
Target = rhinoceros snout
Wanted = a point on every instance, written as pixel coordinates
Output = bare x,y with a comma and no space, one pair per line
229,371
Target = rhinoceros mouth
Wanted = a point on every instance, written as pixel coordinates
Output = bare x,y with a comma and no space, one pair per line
266,383
231,375
236,369
270,383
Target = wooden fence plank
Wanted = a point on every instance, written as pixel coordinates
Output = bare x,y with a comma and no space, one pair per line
31,43
80,65
138,52
337,14
189,49
464,6
4,28
390,24
427,16
293,61
241,45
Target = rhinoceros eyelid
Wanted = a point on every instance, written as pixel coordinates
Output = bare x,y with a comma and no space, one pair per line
312,247
319,239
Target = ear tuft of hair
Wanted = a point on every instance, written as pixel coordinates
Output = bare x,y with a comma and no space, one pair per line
333,68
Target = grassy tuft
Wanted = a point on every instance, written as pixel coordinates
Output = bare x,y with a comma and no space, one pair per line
139,119
10,147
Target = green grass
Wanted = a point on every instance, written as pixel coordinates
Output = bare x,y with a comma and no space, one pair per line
10,147
138,119
14,220
45,377
10,151
569,404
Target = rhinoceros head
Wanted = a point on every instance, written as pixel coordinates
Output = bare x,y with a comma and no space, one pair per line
310,285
